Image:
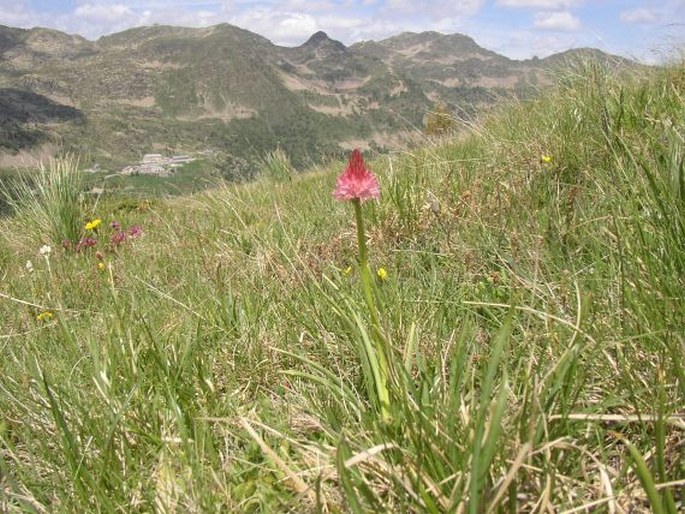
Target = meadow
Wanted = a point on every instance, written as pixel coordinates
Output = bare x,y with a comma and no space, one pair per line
512,340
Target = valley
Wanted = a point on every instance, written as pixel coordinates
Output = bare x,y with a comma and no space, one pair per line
233,92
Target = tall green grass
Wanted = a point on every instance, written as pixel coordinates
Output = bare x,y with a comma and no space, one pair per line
50,202
276,166
535,311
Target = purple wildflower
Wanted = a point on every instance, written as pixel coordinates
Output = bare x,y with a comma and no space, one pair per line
85,242
117,238
135,231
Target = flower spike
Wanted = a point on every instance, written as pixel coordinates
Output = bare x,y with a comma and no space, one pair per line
356,182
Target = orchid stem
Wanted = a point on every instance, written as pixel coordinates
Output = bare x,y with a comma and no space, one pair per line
378,338
367,278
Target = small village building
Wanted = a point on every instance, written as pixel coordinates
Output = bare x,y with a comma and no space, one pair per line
152,158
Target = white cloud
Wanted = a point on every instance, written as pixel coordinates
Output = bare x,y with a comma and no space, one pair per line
526,43
638,16
309,6
541,4
102,12
280,27
14,13
562,20
434,8
545,45
292,22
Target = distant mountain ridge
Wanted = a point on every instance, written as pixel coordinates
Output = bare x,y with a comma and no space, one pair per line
226,89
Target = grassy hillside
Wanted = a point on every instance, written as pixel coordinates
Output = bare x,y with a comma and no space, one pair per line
521,349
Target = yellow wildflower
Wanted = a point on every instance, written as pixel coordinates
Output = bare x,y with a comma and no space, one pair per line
347,271
382,274
93,224
44,316
101,266
546,159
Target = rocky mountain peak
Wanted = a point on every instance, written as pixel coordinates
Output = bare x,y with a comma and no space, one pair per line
321,40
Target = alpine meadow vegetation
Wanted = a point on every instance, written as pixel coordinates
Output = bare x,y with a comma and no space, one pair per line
493,322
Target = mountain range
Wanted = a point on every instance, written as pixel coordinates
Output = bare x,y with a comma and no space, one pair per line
225,89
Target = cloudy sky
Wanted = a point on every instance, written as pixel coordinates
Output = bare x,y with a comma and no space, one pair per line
642,29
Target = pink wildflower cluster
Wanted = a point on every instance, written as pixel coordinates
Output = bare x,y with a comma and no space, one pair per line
356,182
86,242
117,237
120,235
135,231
